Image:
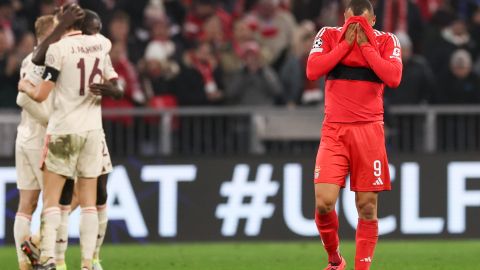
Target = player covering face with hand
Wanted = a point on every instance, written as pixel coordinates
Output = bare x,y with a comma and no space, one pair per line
358,62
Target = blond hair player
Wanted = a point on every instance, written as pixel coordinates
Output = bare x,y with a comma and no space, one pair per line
28,146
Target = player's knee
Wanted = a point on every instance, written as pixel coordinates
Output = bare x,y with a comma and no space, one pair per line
324,206
367,209
28,206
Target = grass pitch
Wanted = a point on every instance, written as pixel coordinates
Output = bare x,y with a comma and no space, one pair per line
390,255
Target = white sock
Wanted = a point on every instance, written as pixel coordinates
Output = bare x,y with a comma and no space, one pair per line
102,228
62,234
21,230
88,232
51,219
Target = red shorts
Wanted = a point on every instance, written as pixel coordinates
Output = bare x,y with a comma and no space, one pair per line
355,148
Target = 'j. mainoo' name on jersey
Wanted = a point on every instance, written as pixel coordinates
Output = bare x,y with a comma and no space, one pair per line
74,63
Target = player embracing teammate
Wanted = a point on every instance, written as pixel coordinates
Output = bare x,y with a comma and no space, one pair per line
74,145
358,62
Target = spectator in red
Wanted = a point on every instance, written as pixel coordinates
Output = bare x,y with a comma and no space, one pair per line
275,29
10,62
7,15
255,84
428,7
396,16
311,91
119,30
128,80
201,11
231,59
200,81
159,67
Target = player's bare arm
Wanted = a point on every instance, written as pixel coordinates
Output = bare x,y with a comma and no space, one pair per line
39,93
67,18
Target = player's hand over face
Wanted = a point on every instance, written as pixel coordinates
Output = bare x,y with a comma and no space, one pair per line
105,89
351,34
70,15
361,36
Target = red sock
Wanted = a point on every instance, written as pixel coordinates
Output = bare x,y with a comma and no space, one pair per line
367,236
327,226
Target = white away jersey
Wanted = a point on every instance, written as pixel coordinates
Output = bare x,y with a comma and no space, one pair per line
34,117
81,61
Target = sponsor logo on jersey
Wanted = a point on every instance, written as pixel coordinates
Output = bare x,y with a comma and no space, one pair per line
378,182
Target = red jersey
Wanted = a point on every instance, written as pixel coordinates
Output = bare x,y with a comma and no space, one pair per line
356,75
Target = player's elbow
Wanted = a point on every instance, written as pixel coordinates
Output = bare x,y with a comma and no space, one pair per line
393,83
314,70
312,74
395,80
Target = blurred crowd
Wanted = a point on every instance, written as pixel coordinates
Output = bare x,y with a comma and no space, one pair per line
253,52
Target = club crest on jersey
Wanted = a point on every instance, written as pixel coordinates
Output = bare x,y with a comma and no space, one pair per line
50,60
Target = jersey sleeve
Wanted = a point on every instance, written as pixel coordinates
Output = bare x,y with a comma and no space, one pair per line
325,55
387,64
109,72
53,63
53,58
106,43
36,110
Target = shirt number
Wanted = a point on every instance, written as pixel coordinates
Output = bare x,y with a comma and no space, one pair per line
377,168
95,71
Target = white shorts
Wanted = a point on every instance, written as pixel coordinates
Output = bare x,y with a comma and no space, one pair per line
106,161
27,163
81,154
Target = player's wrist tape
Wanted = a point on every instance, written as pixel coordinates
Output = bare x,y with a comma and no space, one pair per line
50,74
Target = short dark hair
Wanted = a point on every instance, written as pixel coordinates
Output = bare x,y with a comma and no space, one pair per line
90,26
359,6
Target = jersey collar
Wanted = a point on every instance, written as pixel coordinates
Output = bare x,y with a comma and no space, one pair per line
73,33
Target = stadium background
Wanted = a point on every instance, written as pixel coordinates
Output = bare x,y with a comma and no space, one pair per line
216,136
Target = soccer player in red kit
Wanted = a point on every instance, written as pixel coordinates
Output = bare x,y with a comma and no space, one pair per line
358,62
